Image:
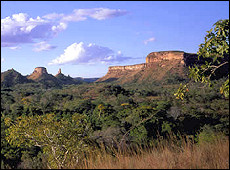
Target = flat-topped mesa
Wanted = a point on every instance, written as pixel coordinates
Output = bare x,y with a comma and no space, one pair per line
157,66
185,58
127,68
164,55
159,57
38,71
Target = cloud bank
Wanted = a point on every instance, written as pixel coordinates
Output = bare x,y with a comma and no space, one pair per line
20,28
80,53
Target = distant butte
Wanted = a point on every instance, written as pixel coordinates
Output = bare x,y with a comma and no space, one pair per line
38,72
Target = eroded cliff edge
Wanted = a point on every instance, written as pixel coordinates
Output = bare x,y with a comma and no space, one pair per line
157,66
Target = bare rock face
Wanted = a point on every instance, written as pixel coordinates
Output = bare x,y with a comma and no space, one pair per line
164,55
157,65
38,72
172,56
126,68
41,75
59,73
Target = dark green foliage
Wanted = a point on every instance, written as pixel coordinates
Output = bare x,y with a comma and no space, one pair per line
216,50
11,77
108,113
114,90
117,115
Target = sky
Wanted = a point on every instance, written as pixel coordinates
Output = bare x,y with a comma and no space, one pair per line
84,38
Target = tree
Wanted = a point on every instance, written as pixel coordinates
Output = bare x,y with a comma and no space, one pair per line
215,52
62,141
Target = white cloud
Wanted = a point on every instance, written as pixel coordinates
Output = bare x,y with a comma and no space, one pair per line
43,46
15,48
149,40
80,53
101,13
58,28
20,28
95,13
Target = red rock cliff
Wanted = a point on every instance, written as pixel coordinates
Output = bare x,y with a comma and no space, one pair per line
127,68
157,65
38,72
184,58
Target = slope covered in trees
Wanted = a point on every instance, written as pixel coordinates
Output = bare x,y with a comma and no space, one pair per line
66,127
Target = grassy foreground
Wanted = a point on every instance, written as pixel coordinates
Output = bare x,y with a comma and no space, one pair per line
211,155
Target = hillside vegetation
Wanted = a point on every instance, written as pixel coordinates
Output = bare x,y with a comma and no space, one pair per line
174,122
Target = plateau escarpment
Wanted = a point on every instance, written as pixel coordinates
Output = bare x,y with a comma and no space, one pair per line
128,67
116,72
185,59
158,66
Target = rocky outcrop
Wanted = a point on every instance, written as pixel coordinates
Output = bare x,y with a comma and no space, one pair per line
41,75
164,55
184,58
157,65
38,72
66,79
59,73
127,68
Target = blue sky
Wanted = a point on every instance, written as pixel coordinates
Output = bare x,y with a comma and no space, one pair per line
84,38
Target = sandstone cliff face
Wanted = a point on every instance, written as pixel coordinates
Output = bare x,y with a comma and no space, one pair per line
164,55
157,65
38,72
184,58
127,68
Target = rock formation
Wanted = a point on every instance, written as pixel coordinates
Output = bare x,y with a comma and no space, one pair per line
184,58
38,72
157,66
66,79
164,55
40,75
59,73
127,68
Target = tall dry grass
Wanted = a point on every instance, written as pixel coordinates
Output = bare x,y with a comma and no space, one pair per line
167,155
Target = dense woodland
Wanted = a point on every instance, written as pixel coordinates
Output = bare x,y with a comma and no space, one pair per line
112,114
57,127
